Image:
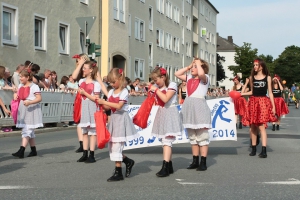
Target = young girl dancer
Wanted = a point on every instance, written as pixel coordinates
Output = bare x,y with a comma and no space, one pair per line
261,109
240,104
280,106
77,75
167,124
29,112
182,92
120,125
195,111
90,89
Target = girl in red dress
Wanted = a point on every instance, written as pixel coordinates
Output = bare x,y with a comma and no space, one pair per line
240,104
280,105
261,109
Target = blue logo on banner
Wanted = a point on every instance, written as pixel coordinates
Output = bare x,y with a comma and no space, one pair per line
219,110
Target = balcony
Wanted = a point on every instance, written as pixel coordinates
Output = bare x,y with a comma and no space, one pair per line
195,38
195,13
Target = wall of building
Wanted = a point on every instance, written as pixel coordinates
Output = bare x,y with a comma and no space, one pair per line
54,12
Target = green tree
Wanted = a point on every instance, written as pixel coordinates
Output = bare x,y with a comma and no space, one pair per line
244,57
220,69
269,62
287,65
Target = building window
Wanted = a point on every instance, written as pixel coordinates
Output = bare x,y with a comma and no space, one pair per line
176,14
168,41
169,9
119,12
176,44
182,35
139,68
160,5
201,54
40,32
182,3
201,7
150,18
188,49
129,25
160,38
150,55
84,2
82,41
64,35
9,24
206,56
188,22
139,29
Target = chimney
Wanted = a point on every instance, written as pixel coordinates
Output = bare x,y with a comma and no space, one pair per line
230,39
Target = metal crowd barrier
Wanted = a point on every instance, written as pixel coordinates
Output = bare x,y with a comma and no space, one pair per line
56,106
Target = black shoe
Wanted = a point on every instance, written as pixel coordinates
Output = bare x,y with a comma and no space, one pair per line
277,127
253,152
202,166
129,164
80,149
164,170
117,176
91,158
171,170
84,157
195,163
240,125
32,152
273,129
263,153
20,152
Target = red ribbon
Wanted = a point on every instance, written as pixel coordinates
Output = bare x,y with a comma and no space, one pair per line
120,71
76,56
163,71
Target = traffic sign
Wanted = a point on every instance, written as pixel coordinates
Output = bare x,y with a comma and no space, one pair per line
86,23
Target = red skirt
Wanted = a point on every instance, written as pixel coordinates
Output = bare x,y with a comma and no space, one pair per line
280,106
259,111
240,106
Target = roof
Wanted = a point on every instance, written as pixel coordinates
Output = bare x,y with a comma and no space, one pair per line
225,44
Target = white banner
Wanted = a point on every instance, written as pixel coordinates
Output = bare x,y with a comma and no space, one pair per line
222,117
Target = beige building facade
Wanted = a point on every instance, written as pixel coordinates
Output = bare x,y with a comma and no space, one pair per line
45,32
135,35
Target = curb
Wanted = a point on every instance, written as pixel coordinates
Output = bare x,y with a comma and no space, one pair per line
36,131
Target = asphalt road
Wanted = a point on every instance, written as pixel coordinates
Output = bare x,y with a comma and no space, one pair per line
231,174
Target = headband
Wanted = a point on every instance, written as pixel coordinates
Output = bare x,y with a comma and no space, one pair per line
94,64
120,71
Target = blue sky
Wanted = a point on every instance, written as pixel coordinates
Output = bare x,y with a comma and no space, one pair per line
269,25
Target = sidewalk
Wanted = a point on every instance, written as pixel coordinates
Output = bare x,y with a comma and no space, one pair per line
37,131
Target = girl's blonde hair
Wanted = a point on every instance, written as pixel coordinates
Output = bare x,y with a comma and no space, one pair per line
27,73
92,65
116,73
160,72
204,65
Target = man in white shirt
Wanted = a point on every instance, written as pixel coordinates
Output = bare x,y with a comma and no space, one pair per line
15,79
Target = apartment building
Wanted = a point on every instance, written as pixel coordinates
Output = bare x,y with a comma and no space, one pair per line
45,32
226,49
143,34
135,35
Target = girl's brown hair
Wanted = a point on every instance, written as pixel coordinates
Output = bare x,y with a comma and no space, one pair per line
93,66
116,73
27,73
160,72
2,72
262,63
64,80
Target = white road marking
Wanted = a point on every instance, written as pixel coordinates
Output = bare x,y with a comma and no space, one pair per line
290,181
14,187
194,183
